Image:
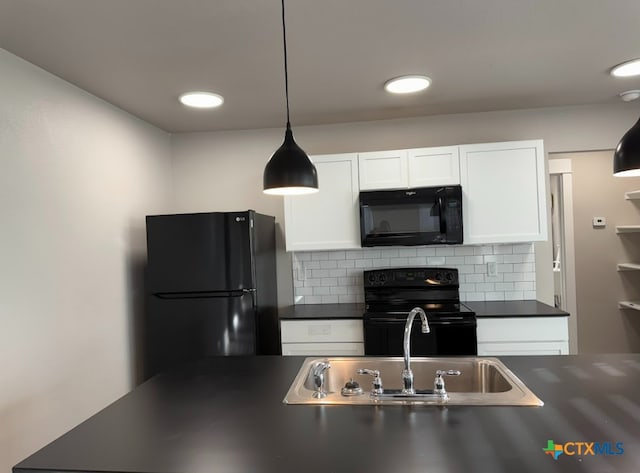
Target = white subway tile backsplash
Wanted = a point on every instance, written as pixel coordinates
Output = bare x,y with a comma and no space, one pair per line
473,277
323,277
525,286
483,250
338,290
454,260
302,256
319,273
473,260
502,249
513,258
329,264
526,248
348,263
494,296
463,251
329,282
399,262
513,277
426,251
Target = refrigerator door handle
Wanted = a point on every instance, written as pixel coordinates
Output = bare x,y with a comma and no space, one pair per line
202,294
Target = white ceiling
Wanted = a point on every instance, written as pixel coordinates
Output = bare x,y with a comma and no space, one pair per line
481,55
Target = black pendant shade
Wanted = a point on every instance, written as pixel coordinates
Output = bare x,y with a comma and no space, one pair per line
626,158
289,171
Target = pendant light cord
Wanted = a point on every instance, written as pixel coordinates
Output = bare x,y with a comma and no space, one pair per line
286,74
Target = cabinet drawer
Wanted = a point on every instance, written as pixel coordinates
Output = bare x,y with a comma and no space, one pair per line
523,348
321,330
323,349
523,329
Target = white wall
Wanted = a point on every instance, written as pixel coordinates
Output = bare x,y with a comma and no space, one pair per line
224,170
77,177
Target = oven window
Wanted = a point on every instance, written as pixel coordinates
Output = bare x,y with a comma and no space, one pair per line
400,218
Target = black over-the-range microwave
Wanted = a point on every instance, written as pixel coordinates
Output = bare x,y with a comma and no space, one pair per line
421,216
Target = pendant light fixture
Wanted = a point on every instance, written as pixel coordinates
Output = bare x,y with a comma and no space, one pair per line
289,171
626,158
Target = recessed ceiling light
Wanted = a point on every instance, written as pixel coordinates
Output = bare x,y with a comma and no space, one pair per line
627,69
630,95
407,84
201,99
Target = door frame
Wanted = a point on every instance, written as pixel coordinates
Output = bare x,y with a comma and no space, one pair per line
563,168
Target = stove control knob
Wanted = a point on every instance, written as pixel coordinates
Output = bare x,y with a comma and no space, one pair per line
438,276
382,277
371,277
450,277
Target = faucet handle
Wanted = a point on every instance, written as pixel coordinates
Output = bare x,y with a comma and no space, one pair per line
448,373
438,383
377,380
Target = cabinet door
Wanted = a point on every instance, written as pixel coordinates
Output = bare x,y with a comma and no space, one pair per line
323,349
504,192
434,166
383,170
329,219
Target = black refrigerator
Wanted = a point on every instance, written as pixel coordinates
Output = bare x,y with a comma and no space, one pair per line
210,288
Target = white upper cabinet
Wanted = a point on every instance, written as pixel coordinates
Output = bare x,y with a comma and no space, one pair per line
434,166
504,192
329,219
402,169
383,170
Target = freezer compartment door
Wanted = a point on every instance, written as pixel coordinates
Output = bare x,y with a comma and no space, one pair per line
199,252
180,330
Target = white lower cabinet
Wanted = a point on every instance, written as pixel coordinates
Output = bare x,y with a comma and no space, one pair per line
322,337
523,336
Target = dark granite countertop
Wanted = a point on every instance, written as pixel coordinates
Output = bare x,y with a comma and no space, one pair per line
226,415
529,308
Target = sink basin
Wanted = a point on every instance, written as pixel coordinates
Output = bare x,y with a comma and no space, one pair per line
482,382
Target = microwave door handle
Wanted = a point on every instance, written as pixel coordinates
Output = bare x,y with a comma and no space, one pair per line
441,218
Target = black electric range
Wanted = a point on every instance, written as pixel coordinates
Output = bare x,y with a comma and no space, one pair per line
391,293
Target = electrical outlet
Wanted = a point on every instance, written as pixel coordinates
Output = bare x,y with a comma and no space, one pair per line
492,269
599,222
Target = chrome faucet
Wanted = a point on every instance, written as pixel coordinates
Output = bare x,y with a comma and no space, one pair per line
318,372
407,374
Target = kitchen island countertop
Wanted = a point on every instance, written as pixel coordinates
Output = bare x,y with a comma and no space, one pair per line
227,415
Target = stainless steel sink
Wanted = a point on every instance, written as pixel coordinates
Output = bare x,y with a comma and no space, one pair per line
482,382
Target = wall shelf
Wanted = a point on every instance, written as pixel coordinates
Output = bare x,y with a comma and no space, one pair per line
635,305
628,229
628,267
634,195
